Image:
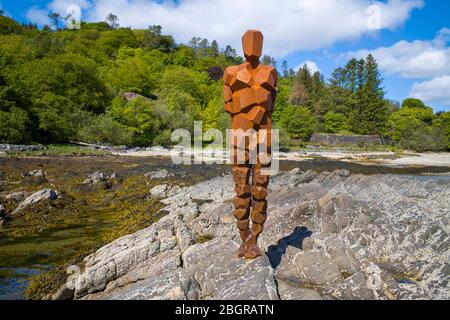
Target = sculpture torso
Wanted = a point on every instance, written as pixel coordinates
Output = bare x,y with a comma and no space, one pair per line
249,94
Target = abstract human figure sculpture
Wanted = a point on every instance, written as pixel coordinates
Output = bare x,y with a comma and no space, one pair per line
249,93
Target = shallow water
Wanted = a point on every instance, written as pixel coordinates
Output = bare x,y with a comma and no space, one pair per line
23,253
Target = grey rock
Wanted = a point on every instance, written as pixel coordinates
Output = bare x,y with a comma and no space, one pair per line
173,285
292,291
159,191
20,148
16,196
96,177
223,276
35,176
308,267
299,177
353,288
64,293
45,194
158,174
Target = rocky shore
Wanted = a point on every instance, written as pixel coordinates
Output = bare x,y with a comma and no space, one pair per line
329,235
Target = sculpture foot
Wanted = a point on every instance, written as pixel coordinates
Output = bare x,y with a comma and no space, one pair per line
246,236
253,252
242,250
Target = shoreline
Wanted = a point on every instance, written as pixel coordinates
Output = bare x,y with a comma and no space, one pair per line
387,159
372,158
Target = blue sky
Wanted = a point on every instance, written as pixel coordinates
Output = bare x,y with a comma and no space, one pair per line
411,42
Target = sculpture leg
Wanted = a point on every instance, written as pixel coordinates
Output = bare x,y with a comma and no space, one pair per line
259,192
241,176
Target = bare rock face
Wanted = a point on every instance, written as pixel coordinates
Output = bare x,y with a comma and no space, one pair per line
223,276
159,191
45,194
172,285
327,236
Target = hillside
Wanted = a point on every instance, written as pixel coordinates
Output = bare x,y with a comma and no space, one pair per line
104,84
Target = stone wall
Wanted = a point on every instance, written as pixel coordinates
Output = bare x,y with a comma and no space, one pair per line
339,139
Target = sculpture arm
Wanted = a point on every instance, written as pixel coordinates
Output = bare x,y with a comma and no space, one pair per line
227,91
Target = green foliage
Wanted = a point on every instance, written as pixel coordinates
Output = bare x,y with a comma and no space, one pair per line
13,127
9,26
413,103
298,122
145,75
335,123
155,40
443,123
411,128
104,129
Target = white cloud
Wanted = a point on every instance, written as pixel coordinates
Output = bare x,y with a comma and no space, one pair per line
416,59
289,26
435,91
39,16
312,66
61,6
428,60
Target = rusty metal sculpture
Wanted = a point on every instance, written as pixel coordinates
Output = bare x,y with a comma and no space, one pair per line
249,93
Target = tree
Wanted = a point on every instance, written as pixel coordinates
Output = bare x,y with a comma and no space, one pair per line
335,123
411,128
214,49
112,20
229,52
2,13
13,127
298,122
146,71
443,122
155,40
268,60
301,88
9,26
413,103
54,18
371,114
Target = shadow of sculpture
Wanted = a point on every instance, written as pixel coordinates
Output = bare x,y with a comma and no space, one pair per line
295,239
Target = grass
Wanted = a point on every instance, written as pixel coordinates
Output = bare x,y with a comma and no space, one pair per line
62,150
201,238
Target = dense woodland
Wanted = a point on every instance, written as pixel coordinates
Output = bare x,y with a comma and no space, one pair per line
61,85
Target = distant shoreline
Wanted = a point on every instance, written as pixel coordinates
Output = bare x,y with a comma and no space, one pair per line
389,159
362,157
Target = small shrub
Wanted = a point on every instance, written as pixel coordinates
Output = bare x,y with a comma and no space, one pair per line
104,129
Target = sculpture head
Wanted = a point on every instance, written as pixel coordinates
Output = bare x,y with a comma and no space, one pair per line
252,42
